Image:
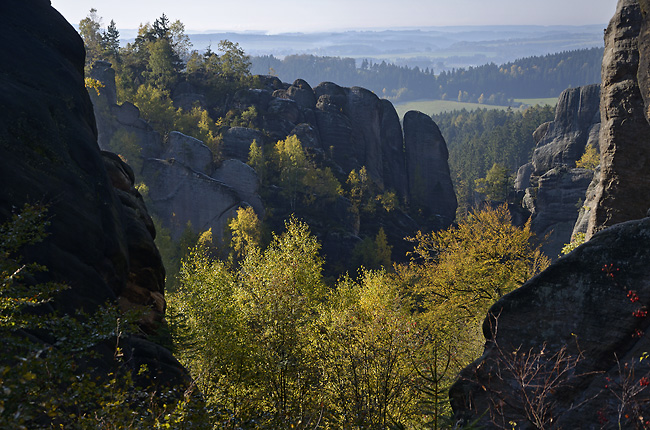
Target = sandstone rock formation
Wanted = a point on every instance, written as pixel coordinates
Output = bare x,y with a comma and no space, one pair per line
343,128
354,128
624,187
594,301
581,302
184,184
428,174
101,237
553,189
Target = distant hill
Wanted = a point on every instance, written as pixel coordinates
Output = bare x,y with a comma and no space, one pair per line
537,76
438,48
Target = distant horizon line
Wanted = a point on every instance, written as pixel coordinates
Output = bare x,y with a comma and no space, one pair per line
379,29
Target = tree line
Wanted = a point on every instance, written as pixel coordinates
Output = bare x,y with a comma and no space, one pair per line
530,77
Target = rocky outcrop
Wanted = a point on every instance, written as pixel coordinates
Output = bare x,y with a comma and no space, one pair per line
563,142
553,189
429,179
353,128
555,205
582,302
591,303
185,186
100,239
120,127
623,192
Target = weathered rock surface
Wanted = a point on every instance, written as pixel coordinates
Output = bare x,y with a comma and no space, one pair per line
565,138
101,238
594,300
556,205
188,151
120,127
237,142
343,129
243,179
429,180
624,190
553,189
178,171
574,302
181,195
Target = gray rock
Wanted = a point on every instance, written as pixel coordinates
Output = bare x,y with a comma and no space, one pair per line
565,138
120,128
560,143
189,151
300,92
237,142
364,111
180,195
582,223
307,135
624,190
429,180
572,304
243,179
523,177
99,238
393,155
558,200
104,73
584,300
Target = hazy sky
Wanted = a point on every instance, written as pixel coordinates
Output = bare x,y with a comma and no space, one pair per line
316,15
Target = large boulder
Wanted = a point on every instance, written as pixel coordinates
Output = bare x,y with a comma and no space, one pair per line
243,179
429,180
189,151
555,206
581,303
237,142
181,196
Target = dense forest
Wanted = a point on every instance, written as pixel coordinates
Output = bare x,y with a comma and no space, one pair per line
486,141
531,77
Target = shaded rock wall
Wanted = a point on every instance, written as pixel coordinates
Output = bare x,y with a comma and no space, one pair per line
355,128
553,189
428,174
101,238
623,192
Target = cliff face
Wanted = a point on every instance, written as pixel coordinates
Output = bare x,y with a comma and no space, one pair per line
553,188
359,130
624,188
101,237
343,128
590,307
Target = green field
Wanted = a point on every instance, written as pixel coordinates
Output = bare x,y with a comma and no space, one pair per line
551,101
433,107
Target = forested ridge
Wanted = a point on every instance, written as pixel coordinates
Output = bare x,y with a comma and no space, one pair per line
530,77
